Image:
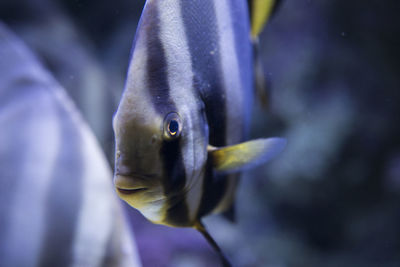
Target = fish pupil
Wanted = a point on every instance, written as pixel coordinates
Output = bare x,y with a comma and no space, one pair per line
173,127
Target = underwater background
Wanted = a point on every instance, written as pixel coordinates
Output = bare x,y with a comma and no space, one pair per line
332,198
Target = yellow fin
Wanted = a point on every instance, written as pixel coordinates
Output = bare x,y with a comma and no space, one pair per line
260,12
245,155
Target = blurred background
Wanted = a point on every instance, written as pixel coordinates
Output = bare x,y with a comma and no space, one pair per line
333,197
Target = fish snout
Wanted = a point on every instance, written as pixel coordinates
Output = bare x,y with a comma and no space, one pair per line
137,190
132,176
126,183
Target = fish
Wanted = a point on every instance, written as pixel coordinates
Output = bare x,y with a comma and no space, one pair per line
57,203
181,128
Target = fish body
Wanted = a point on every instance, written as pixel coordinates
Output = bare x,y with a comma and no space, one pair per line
57,205
186,103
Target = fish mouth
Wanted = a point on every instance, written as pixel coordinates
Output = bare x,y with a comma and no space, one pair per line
128,184
131,191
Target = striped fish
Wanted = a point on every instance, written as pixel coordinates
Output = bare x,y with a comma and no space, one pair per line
57,204
182,123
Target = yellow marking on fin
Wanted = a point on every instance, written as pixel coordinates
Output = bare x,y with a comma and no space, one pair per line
261,10
247,154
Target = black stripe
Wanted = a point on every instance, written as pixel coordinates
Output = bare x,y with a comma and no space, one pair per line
157,72
202,33
201,29
214,189
174,182
171,152
64,197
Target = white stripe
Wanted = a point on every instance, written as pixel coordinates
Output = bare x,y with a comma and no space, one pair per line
231,82
136,101
230,69
153,211
95,214
180,80
42,134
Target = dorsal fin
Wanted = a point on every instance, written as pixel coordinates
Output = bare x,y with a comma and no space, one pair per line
260,11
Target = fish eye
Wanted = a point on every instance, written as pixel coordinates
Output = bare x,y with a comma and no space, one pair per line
172,126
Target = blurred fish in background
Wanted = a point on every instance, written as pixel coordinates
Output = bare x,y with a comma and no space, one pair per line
57,205
70,54
332,198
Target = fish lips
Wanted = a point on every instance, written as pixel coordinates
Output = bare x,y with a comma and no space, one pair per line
128,184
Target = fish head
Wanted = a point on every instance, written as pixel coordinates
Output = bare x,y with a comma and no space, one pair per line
160,154
137,172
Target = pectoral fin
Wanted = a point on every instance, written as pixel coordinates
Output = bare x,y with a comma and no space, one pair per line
245,155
